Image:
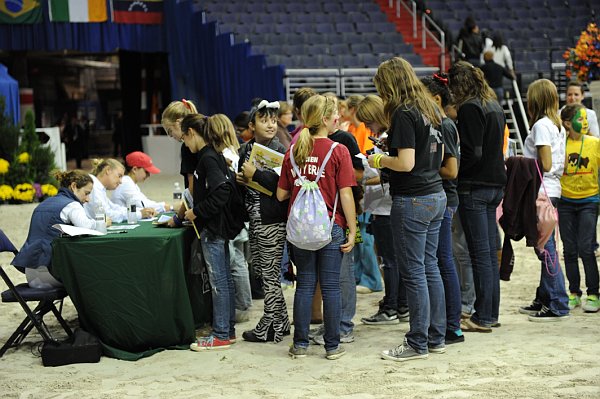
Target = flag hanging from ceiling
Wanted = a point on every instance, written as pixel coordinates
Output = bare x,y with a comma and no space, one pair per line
20,12
78,11
137,12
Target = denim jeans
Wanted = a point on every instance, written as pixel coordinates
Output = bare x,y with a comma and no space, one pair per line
366,268
240,272
416,223
478,216
462,260
323,265
216,255
395,291
348,292
448,271
578,232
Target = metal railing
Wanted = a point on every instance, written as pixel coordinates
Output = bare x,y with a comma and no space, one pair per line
343,82
411,8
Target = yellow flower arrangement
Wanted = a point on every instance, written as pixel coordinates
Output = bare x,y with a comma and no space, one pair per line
24,192
6,192
4,166
49,190
584,58
23,157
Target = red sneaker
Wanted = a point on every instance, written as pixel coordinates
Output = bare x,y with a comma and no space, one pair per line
210,343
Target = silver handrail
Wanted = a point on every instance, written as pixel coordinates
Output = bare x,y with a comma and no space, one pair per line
521,107
440,42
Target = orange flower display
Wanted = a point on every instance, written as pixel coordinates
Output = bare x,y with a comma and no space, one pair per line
584,58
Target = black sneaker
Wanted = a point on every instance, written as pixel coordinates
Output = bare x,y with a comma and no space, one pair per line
452,338
531,309
382,317
546,315
403,314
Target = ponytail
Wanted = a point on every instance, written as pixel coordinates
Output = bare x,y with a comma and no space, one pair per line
303,147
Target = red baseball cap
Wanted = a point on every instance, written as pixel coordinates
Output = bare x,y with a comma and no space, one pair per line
141,160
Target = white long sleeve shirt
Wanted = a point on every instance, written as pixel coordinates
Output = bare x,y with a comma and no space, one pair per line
117,213
75,214
128,189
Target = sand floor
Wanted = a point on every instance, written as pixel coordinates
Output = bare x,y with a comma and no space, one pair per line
520,359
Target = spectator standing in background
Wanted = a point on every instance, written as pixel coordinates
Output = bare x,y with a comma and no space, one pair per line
494,73
470,41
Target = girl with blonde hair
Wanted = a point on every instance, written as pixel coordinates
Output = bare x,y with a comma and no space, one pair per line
320,118
107,175
171,122
419,201
546,144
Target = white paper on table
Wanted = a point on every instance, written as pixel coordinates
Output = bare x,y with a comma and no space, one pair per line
123,227
73,231
163,219
277,170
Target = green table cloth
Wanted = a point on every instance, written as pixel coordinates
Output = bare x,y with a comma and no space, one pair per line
134,290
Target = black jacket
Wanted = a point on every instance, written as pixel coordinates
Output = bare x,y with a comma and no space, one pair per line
519,216
211,193
271,209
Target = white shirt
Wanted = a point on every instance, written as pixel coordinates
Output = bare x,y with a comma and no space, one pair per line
74,214
233,156
593,122
117,213
129,190
501,56
544,132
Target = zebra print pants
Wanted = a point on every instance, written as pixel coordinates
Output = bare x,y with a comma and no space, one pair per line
266,246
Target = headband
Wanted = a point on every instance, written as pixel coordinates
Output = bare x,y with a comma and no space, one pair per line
263,104
441,79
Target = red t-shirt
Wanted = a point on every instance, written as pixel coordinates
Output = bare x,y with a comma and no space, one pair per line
338,174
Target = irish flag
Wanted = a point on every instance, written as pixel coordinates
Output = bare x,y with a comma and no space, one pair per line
78,11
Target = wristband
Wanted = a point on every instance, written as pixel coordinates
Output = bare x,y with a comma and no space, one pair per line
177,221
377,160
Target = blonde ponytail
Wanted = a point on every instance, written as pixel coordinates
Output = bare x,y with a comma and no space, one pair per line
303,147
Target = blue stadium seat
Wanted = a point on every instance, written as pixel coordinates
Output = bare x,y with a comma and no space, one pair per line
357,48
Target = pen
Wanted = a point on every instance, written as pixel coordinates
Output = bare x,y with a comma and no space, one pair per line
143,206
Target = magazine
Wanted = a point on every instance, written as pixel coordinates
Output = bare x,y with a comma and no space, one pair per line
264,158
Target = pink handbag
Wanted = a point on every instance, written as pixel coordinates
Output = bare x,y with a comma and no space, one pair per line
547,216
547,221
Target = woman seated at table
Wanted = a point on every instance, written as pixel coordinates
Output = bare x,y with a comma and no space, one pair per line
65,208
138,167
107,175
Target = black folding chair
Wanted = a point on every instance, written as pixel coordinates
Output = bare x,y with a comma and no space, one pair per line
22,294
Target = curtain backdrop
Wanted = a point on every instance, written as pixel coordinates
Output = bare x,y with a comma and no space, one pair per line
205,66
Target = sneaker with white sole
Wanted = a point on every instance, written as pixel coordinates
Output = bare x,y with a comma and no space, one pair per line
546,316
210,343
297,352
592,304
574,301
403,353
335,353
532,308
313,332
382,317
441,348
344,339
